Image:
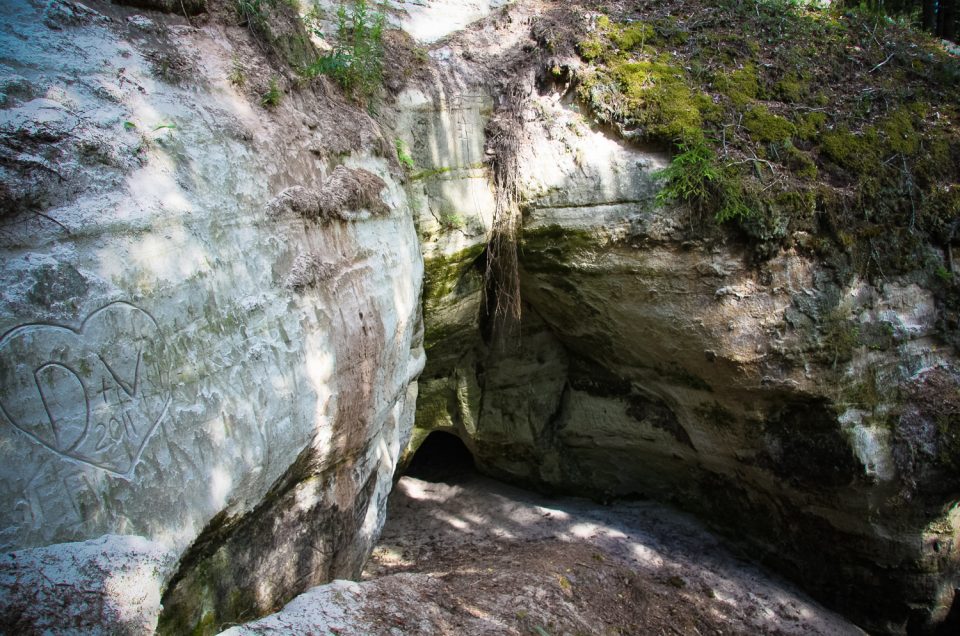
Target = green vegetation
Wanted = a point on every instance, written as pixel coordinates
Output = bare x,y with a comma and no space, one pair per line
237,77
356,61
765,126
558,241
452,221
278,29
652,94
691,177
741,86
251,12
840,336
403,154
442,170
694,177
442,273
786,118
273,96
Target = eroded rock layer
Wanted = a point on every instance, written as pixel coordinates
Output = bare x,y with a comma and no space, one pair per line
799,407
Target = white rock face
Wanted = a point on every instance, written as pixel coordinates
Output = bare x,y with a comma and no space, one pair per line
432,20
157,367
426,20
109,585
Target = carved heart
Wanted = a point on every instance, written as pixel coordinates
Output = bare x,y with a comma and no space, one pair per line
93,395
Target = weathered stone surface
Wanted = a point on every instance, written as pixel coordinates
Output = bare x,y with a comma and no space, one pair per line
431,20
774,400
162,371
184,7
482,557
109,585
450,193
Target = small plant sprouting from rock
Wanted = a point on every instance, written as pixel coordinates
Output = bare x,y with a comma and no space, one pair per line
313,20
452,221
271,99
694,178
250,12
357,59
237,77
691,176
403,154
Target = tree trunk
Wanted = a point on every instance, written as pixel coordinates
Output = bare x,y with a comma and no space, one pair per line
943,9
948,19
929,15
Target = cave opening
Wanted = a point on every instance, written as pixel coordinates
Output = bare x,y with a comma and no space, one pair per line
442,457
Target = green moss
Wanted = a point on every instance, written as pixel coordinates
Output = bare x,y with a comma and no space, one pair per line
792,89
764,126
207,625
935,161
433,172
660,99
626,37
403,154
799,162
591,48
864,394
437,333
558,240
668,30
443,273
900,134
435,403
796,204
859,153
839,337
810,124
741,86
441,170
890,164
710,111
632,83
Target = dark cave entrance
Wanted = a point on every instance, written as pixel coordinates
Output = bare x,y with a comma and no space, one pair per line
441,457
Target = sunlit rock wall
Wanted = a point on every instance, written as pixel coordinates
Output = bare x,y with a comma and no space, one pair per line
425,20
173,357
450,193
807,412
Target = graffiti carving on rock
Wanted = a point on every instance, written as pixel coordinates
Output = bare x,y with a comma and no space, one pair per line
93,395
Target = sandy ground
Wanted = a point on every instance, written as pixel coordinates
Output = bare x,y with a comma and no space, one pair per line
479,557
528,564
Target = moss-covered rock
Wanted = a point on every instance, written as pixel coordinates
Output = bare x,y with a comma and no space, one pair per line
741,85
443,273
748,92
764,126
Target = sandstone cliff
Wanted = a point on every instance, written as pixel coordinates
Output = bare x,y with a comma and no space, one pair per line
214,307
189,355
